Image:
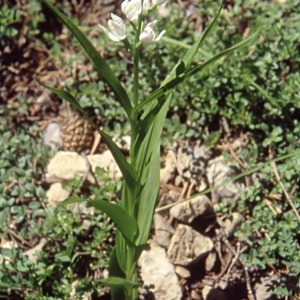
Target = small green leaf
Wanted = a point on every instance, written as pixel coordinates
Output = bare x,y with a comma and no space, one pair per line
72,200
66,255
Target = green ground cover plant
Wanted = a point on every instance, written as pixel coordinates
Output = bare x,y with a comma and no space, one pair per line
71,249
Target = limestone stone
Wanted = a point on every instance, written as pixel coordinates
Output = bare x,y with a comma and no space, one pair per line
195,295
233,224
32,252
263,289
182,272
157,271
65,164
218,172
187,246
56,194
105,161
167,172
186,212
163,231
210,261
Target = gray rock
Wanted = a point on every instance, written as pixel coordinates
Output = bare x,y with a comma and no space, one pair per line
167,172
218,172
163,231
52,136
187,246
32,253
156,270
233,224
264,289
187,211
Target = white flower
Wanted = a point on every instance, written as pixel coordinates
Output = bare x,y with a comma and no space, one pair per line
132,9
116,28
146,5
148,34
159,2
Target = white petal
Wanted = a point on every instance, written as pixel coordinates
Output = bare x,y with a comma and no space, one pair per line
132,9
148,34
117,19
160,36
151,24
159,2
146,5
110,34
116,28
147,37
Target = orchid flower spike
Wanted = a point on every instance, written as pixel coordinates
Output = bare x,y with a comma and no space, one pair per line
148,34
132,9
116,29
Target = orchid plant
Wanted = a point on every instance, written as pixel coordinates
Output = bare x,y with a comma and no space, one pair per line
133,216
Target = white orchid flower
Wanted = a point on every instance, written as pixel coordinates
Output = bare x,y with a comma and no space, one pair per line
159,2
132,9
148,34
146,5
116,29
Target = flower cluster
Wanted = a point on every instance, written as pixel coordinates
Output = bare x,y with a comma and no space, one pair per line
132,9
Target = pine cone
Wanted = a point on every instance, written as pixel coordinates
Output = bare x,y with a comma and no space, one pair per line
76,132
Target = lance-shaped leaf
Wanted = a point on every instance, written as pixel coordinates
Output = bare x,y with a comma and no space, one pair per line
182,69
125,222
147,167
124,166
211,60
184,63
100,64
117,292
119,287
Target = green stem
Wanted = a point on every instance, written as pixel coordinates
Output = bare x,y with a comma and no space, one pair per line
136,56
136,63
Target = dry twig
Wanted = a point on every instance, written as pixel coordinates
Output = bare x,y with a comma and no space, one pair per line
237,257
277,176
